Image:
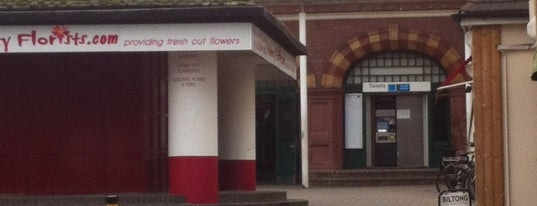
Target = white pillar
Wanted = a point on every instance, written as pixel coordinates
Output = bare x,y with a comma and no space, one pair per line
193,126
236,95
304,103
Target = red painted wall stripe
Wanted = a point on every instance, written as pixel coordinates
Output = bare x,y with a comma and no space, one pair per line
237,175
195,178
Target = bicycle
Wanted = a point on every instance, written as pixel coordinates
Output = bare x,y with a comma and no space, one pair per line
457,173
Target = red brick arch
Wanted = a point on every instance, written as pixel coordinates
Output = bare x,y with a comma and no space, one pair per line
392,38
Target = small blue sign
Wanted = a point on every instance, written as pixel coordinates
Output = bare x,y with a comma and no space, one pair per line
403,87
391,88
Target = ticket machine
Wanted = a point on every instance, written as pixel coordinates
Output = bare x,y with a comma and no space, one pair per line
385,131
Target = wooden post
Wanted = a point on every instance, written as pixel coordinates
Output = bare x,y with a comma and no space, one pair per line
488,115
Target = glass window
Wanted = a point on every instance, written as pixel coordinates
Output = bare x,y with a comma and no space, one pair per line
396,66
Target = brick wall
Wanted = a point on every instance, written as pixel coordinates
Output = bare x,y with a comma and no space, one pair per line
325,37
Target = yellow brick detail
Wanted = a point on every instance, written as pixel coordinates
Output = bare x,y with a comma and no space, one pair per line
374,39
413,40
413,36
432,45
357,49
330,81
326,80
393,32
449,58
312,83
355,45
340,61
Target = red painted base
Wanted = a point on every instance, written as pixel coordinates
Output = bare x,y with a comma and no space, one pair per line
195,178
237,175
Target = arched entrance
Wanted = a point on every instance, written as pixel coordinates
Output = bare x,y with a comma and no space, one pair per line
327,136
389,95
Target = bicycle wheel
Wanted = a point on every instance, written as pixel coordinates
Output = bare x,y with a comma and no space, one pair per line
448,178
442,181
470,183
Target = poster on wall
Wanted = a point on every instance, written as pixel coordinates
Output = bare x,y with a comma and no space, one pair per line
353,121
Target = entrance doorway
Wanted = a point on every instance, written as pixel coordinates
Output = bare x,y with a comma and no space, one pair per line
398,85
276,138
398,130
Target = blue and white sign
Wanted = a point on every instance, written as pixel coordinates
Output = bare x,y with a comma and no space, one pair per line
396,86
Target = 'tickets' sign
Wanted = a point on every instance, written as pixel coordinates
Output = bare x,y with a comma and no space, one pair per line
146,37
396,86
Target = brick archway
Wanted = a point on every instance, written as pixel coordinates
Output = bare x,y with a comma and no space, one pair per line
392,38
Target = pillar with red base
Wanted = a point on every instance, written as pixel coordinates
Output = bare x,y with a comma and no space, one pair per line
237,123
193,126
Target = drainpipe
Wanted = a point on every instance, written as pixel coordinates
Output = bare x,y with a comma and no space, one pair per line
505,125
304,102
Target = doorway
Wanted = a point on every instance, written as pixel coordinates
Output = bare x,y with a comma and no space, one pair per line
398,136
276,138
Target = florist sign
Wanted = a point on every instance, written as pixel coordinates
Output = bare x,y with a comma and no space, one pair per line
58,37
146,37
160,37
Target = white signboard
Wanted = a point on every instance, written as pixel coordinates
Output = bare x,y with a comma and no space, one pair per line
353,121
454,198
267,48
128,37
396,86
146,37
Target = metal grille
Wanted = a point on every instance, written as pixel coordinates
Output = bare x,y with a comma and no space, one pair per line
398,66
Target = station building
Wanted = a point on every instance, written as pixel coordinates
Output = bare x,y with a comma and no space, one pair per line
168,97
373,72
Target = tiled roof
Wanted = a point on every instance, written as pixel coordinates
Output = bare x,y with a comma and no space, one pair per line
103,4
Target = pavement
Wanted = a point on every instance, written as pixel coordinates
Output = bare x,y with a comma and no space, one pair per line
415,195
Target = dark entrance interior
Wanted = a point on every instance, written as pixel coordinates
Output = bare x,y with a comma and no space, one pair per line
276,138
83,123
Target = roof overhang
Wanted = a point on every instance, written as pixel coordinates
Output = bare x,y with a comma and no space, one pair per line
492,13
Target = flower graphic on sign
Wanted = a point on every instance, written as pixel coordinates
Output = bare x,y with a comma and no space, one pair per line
60,31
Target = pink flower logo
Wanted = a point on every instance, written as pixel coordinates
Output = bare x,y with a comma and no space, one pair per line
60,31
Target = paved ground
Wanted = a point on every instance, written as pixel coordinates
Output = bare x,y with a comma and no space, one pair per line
421,195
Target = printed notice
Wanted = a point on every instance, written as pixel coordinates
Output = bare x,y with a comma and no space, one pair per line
188,71
403,114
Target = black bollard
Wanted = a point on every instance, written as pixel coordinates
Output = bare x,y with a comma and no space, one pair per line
112,200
